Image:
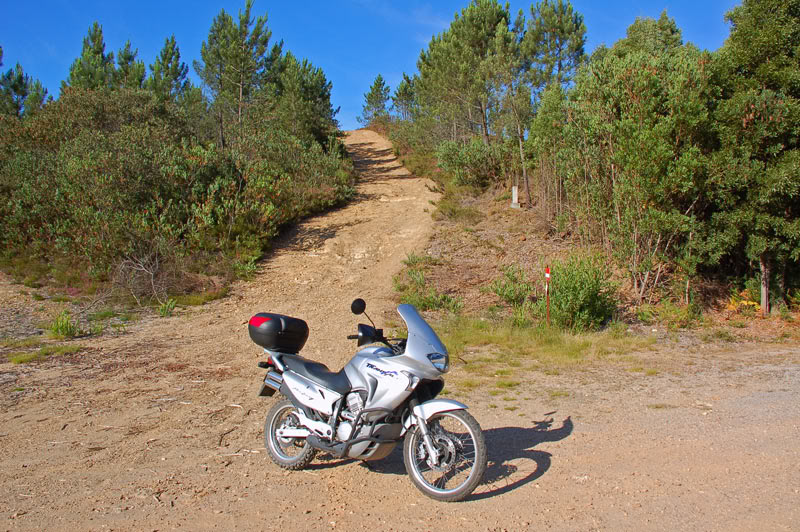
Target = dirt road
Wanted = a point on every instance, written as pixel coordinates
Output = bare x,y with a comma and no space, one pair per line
160,428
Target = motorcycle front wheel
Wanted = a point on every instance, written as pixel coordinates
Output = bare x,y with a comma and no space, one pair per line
288,453
461,462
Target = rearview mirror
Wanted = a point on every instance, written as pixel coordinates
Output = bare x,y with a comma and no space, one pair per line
358,306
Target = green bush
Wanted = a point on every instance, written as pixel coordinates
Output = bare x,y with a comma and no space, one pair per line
513,287
472,163
581,295
114,181
64,327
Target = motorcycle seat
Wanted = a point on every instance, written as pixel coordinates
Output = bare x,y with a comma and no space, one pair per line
319,373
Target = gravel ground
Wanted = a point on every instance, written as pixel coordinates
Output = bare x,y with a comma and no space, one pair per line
160,428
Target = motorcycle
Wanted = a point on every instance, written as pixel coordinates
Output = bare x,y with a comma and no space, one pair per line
386,393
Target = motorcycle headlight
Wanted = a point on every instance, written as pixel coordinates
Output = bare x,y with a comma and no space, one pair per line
440,361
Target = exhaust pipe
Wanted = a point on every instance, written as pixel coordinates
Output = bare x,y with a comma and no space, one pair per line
274,380
272,383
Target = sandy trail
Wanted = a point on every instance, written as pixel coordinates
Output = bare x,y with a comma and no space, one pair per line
160,428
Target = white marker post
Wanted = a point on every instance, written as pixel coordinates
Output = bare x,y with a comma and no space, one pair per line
547,291
514,198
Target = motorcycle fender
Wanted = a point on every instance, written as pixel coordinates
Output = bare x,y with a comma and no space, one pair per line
429,408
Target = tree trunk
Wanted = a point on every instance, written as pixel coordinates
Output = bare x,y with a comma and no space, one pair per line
782,281
484,125
522,161
221,132
765,271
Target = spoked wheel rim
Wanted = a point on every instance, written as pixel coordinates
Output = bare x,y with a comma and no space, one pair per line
457,446
286,448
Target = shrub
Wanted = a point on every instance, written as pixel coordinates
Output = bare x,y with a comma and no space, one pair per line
115,181
64,327
473,163
513,287
581,294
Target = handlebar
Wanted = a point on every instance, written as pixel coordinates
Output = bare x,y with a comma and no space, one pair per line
352,337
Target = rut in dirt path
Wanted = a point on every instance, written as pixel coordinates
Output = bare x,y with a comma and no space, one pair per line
321,265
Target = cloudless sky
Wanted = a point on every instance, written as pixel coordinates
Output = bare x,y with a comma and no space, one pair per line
351,40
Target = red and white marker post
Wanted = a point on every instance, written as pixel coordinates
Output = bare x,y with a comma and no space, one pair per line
547,291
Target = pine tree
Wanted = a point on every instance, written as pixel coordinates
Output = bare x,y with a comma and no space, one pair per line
168,74
304,101
554,43
235,63
20,95
403,99
507,67
94,69
130,72
375,102
452,82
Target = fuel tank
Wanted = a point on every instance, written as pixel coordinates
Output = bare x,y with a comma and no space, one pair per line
374,370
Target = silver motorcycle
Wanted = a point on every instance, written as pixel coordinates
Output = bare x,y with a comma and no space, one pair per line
385,394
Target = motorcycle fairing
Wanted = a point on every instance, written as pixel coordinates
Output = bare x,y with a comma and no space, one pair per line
422,340
310,394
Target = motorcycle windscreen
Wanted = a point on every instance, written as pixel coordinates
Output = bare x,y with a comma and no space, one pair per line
421,337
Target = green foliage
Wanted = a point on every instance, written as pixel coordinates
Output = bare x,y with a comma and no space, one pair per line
43,353
554,40
413,290
375,101
129,73
404,98
94,69
111,179
20,95
513,287
64,327
235,64
168,74
758,120
471,164
165,309
581,294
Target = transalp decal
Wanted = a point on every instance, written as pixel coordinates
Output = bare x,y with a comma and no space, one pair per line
382,372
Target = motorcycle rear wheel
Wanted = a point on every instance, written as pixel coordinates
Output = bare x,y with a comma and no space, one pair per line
288,453
462,456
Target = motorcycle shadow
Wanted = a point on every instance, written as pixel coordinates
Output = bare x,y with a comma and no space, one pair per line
512,460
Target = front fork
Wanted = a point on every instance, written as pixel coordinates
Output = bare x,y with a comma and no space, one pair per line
433,453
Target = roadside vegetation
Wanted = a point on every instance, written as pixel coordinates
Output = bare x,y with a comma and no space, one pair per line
135,181
668,173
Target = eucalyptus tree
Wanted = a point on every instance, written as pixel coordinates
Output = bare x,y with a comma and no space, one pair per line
638,132
757,169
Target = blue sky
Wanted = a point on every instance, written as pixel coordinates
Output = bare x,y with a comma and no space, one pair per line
352,40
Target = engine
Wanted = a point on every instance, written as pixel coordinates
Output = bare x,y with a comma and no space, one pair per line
355,404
